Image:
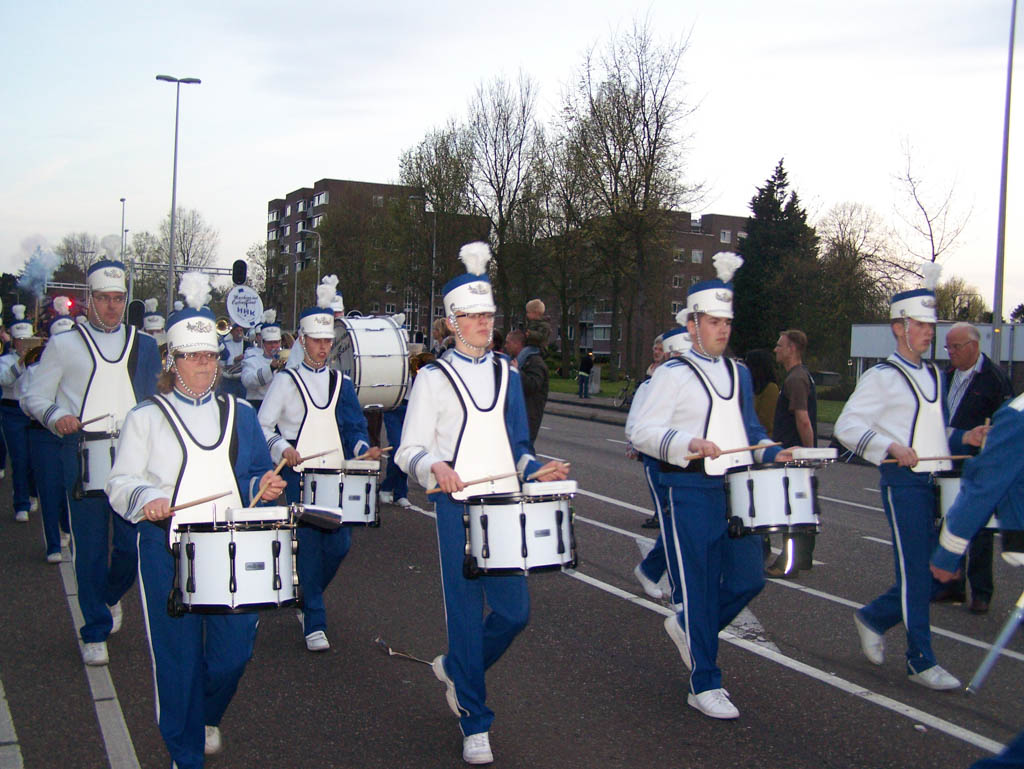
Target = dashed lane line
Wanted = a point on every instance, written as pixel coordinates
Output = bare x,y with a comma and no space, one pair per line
879,540
10,750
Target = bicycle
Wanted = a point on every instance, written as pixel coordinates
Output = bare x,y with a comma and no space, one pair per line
624,399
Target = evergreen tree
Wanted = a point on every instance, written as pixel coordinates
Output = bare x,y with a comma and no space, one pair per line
776,287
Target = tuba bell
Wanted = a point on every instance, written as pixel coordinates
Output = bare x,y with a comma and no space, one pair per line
223,325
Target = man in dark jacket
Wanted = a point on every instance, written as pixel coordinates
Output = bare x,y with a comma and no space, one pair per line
533,373
974,388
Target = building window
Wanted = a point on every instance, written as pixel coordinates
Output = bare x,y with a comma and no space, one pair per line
725,236
697,256
300,247
287,211
694,280
300,226
602,333
287,231
439,312
272,235
388,288
389,308
679,254
378,201
375,307
317,220
678,281
284,248
676,307
273,216
320,199
300,206
572,333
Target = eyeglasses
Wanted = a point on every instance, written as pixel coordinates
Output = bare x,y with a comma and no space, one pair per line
957,347
484,316
198,357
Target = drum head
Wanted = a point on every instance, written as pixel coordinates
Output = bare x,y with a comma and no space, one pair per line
374,353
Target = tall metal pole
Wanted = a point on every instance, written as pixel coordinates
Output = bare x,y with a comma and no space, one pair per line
997,301
123,230
433,263
174,181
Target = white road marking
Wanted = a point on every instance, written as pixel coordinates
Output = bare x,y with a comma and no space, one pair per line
116,738
542,427
548,456
764,650
627,505
872,488
878,540
851,504
10,750
612,440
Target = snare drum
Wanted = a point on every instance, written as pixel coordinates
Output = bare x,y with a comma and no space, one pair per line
521,533
764,498
96,455
947,487
360,492
374,353
237,566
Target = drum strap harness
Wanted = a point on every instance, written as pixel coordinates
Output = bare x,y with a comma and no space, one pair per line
318,430
928,428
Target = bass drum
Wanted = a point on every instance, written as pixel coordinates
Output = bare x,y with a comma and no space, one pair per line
374,353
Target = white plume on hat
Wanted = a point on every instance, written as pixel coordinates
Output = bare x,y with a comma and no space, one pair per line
18,311
399,318
930,273
150,305
178,305
326,291
682,316
475,256
62,305
195,287
726,264
269,316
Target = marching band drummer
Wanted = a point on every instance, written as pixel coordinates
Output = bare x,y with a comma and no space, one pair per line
15,423
467,420
232,351
337,308
182,444
897,410
306,411
100,369
153,322
260,365
702,403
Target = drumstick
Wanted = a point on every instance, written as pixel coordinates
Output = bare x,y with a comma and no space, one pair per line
384,450
266,484
195,502
692,457
988,421
95,419
438,489
314,456
930,459
548,471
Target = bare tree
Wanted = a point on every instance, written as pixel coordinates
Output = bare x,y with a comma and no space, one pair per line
195,241
955,299
441,165
78,249
256,257
935,224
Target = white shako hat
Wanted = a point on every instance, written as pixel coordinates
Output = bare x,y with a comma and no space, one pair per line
152,320
714,297
20,328
193,329
61,321
918,304
107,275
678,339
318,322
271,329
470,292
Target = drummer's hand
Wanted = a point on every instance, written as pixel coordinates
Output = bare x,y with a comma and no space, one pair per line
275,485
291,456
447,479
157,509
976,436
554,470
944,576
904,455
238,358
67,425
786,455
372,453
704,448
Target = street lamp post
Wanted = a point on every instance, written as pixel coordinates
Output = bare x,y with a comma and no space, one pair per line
174,179
433,258
123,230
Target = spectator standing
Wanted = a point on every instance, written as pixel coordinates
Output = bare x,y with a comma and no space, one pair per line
583,378
533,373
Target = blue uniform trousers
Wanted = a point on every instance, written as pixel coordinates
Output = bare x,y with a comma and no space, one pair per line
717,576
320,554
1012,757
44,448
395,480
909,502
654,564
104,574
15,427
475,642
198,658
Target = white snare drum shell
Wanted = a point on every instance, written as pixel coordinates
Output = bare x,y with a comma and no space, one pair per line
514,534
322,489
549,488
770,498
96,458
947,487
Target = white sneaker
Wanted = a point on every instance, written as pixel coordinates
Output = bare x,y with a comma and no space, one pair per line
387,497
713,703
442,675
21,516
95,653
935,678
650,587
300,617
403,502
871,643
214,744
33,504
317,641
117,616
3,474
678,635
54,558
476,749
65,539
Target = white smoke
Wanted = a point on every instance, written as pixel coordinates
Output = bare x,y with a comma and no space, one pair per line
112,245
38,270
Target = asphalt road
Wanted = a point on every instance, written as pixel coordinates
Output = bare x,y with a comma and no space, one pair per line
592,682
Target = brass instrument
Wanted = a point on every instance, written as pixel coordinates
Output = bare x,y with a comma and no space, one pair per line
31,350
223,325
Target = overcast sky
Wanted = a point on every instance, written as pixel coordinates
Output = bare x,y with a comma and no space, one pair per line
293,93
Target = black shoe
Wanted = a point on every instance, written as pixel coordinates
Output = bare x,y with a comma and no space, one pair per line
950,595
651,523
778,572
979,605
